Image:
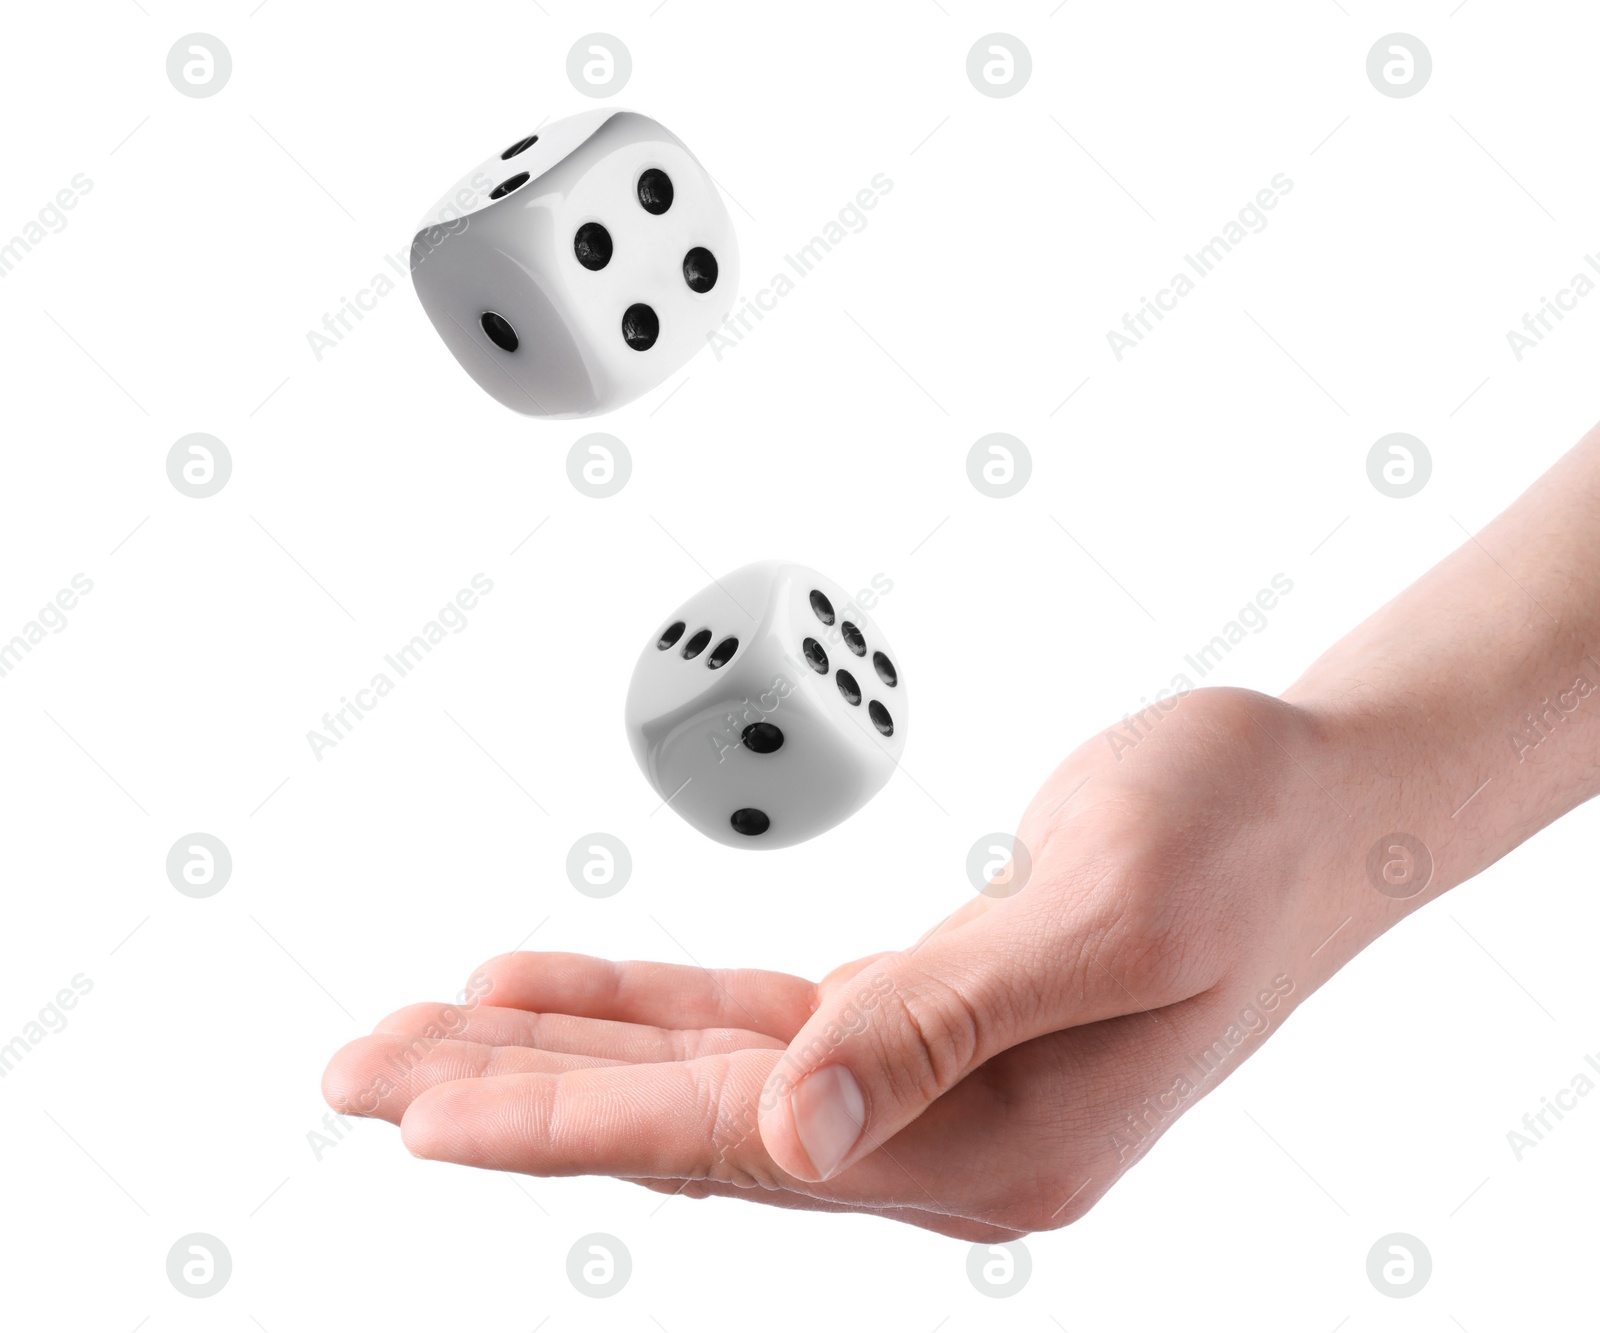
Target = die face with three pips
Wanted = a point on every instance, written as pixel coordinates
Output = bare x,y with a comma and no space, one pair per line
768,707
580,266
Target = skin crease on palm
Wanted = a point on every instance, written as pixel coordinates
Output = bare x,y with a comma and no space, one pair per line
999,1075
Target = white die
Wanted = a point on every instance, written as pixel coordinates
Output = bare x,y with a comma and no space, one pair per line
768,707
580,267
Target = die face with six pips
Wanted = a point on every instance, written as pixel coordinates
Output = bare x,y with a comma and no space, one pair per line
768,707
580,266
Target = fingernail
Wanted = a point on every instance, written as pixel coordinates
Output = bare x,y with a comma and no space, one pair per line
829,1111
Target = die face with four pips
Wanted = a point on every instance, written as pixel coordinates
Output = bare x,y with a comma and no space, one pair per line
580,266
768,707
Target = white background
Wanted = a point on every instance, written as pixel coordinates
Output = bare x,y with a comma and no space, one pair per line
369,486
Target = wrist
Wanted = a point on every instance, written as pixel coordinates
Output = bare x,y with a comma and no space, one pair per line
1466,712
1437,781
1365,841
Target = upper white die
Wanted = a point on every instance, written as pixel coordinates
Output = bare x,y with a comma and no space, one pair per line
581,266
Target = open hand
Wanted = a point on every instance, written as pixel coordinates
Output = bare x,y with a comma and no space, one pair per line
994,1079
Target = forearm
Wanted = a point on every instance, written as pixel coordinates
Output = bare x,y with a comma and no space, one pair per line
1466,712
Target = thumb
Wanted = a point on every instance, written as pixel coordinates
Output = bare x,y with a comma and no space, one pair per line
906,1028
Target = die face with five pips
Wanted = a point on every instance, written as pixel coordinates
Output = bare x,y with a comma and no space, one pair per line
768,707
580,266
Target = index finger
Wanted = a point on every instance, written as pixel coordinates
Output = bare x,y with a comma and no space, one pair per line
664,995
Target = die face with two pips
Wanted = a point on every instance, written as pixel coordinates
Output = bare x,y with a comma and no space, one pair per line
767,708
579,267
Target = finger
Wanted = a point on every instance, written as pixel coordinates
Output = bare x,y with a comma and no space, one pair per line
634,1043
909,1028
380,1075
679,1120
690,1120
959,1228
1025,1143
663,994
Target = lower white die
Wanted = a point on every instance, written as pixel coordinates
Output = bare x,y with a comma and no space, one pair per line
768,707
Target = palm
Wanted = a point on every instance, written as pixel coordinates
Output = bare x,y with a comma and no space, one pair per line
587,1067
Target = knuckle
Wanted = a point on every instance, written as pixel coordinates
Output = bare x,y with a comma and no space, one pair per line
1133,937
416,1072
403,1061
935,1028
1132,927
730,1114
1154,945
